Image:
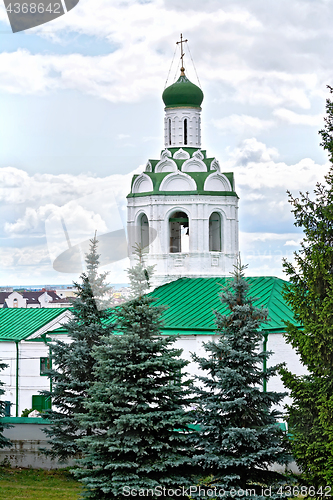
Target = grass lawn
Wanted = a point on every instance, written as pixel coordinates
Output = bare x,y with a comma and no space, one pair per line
32,484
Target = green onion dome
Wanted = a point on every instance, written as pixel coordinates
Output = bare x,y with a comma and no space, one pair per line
183,93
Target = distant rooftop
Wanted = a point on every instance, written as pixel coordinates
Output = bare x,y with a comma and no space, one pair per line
19,324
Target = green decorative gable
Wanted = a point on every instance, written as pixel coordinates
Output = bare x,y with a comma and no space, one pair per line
199,178
172,164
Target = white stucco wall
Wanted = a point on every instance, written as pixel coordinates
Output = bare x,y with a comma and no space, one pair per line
282,352
30,381
198,261
177,117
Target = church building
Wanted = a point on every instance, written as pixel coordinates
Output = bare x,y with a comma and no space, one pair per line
182,210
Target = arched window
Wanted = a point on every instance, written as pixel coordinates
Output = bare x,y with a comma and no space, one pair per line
179,233
15,303
215,240
144,233
169,131
185,132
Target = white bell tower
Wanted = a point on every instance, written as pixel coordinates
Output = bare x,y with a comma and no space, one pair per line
182,209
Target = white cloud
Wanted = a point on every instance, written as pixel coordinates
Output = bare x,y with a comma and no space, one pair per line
293,118
31,265
151,138
257,59
248,239
251,57
131,18
30,220
64,209
127,73
85,221
119,77
41,205
85,204
27,257
270,88
17,187
293,243
257,167
264,252
242,124
120,137
252,151
23,73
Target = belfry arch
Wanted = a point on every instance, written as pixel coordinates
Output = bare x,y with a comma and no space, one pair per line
144,233
215,232
179,231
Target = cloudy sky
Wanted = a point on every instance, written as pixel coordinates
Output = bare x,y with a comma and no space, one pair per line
81,110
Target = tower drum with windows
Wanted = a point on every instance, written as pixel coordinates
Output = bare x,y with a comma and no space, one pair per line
182,209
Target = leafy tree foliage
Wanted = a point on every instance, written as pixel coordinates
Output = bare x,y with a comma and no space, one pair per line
3,441
73,362
310,295
137,406
239,437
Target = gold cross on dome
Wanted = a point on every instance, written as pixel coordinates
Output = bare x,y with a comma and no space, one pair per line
182,69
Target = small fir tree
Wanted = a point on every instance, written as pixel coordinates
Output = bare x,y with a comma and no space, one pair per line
137,406
4,442
310,295
73,375
239,438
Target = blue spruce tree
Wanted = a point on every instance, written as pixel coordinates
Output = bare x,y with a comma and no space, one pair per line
137,406
239,438
73,362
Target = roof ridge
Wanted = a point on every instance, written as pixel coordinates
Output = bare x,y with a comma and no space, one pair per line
273,289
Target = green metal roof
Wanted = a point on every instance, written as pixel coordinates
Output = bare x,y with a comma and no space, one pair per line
182,93
191,303
19,324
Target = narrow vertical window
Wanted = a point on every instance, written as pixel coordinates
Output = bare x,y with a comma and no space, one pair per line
8,404
199,130
185,131
215,243
179,233
45,366
169,131
15,303
144,233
